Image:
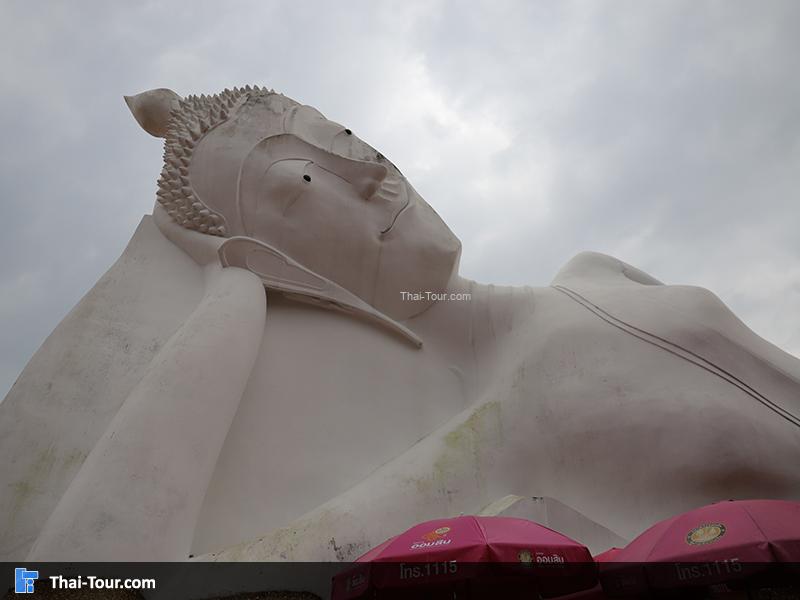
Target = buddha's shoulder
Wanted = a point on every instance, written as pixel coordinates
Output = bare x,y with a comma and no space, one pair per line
594,267
686,320
621,293
618,285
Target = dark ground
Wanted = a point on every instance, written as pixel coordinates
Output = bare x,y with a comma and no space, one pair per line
127,595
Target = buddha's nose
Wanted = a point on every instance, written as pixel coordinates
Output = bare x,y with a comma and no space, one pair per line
365,177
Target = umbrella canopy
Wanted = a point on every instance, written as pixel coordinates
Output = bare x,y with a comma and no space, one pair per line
449,552
718,543
607,555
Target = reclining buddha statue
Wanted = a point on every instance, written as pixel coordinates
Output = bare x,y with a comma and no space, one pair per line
285,364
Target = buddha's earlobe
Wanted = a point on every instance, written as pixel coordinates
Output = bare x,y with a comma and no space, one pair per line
152,109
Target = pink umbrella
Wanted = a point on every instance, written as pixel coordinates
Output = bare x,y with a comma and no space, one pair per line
607,555
474,555
718,543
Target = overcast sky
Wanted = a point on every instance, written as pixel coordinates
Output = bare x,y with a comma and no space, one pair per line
666,134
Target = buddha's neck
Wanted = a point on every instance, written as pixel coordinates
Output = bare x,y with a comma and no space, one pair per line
472,322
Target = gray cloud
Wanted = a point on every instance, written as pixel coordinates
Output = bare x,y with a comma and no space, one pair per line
664,133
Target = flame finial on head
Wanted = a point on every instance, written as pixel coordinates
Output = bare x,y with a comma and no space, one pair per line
152,109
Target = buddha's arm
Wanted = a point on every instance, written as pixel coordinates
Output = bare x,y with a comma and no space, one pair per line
138,494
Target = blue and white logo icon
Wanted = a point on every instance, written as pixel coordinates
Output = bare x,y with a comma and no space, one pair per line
23,580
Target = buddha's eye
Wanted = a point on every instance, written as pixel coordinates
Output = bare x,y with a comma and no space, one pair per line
307,177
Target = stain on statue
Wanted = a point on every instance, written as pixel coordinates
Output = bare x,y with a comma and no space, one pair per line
286,355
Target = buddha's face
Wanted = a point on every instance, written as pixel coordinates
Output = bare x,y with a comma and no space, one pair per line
283,174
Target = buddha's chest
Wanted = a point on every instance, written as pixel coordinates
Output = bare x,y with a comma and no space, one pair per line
330,399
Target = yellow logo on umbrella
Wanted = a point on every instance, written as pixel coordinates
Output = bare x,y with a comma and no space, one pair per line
705,534
437,537
436,534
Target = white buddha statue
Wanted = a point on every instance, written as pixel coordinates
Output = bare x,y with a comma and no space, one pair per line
286,364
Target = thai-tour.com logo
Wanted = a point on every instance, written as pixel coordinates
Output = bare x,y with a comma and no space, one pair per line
23,580
437,537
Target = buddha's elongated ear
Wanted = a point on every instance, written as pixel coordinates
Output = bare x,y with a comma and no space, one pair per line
152,109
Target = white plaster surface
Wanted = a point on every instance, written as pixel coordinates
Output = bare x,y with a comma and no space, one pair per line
179,410
559,517
72,388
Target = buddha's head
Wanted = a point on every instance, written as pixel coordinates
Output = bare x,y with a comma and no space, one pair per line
251,162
